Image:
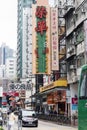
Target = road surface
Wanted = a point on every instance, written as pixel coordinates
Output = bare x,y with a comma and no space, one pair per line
43,125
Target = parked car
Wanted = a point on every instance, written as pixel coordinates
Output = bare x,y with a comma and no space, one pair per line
28,117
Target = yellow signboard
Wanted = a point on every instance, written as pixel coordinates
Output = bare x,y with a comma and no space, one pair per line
58,83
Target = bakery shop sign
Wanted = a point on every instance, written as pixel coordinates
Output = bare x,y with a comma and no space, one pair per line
41,23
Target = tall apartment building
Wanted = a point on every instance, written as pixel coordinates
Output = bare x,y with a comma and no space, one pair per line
5,52
24,38
76,44
24,46
72,45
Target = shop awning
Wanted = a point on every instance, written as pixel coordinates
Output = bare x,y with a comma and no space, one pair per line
59,84
52,90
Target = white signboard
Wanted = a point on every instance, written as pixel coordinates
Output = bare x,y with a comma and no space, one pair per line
1,91
54,40
18,86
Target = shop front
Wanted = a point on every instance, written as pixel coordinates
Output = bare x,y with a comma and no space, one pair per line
56,101
56,96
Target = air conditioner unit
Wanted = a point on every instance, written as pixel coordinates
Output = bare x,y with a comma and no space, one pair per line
83,10
59,23
74,12
67,49
72,66
60,3
75,78
65,4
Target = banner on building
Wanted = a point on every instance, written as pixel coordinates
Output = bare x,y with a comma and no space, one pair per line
54,38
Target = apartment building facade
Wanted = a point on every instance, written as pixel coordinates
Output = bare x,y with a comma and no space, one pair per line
71,54
76,24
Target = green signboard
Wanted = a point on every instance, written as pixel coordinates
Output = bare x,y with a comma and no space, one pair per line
41,29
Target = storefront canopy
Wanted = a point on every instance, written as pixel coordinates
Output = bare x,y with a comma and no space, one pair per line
59,84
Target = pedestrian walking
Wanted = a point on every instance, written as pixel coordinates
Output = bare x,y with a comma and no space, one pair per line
11,122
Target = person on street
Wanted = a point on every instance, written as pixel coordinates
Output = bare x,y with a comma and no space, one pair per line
11,122
55,112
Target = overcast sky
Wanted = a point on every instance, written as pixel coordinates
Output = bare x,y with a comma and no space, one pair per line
8,23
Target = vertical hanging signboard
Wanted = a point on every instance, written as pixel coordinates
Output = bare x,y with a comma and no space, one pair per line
54,38
41,40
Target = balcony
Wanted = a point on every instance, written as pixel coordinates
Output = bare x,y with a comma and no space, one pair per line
69,7
71,52
72,67
71,77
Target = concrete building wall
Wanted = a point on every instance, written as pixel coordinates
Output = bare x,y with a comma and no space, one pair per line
75,46
78,2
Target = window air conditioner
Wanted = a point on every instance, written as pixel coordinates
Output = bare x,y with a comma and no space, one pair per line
83,10
72,66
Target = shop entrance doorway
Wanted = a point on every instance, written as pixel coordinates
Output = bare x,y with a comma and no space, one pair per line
61,107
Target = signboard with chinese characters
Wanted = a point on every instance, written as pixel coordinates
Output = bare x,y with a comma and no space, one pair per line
56,96
54,38
19,86
41,39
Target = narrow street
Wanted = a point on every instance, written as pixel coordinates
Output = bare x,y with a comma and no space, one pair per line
45,126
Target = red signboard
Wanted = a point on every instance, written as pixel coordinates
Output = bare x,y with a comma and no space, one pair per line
41,12
74,100
4,103
16,94
41,24
4,94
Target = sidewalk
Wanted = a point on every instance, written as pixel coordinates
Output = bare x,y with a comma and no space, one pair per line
60,127
66,128
5,126
15,127
54,126
65,125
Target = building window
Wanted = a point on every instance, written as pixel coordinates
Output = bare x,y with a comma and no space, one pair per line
80,60
11,71
11,68
79,35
